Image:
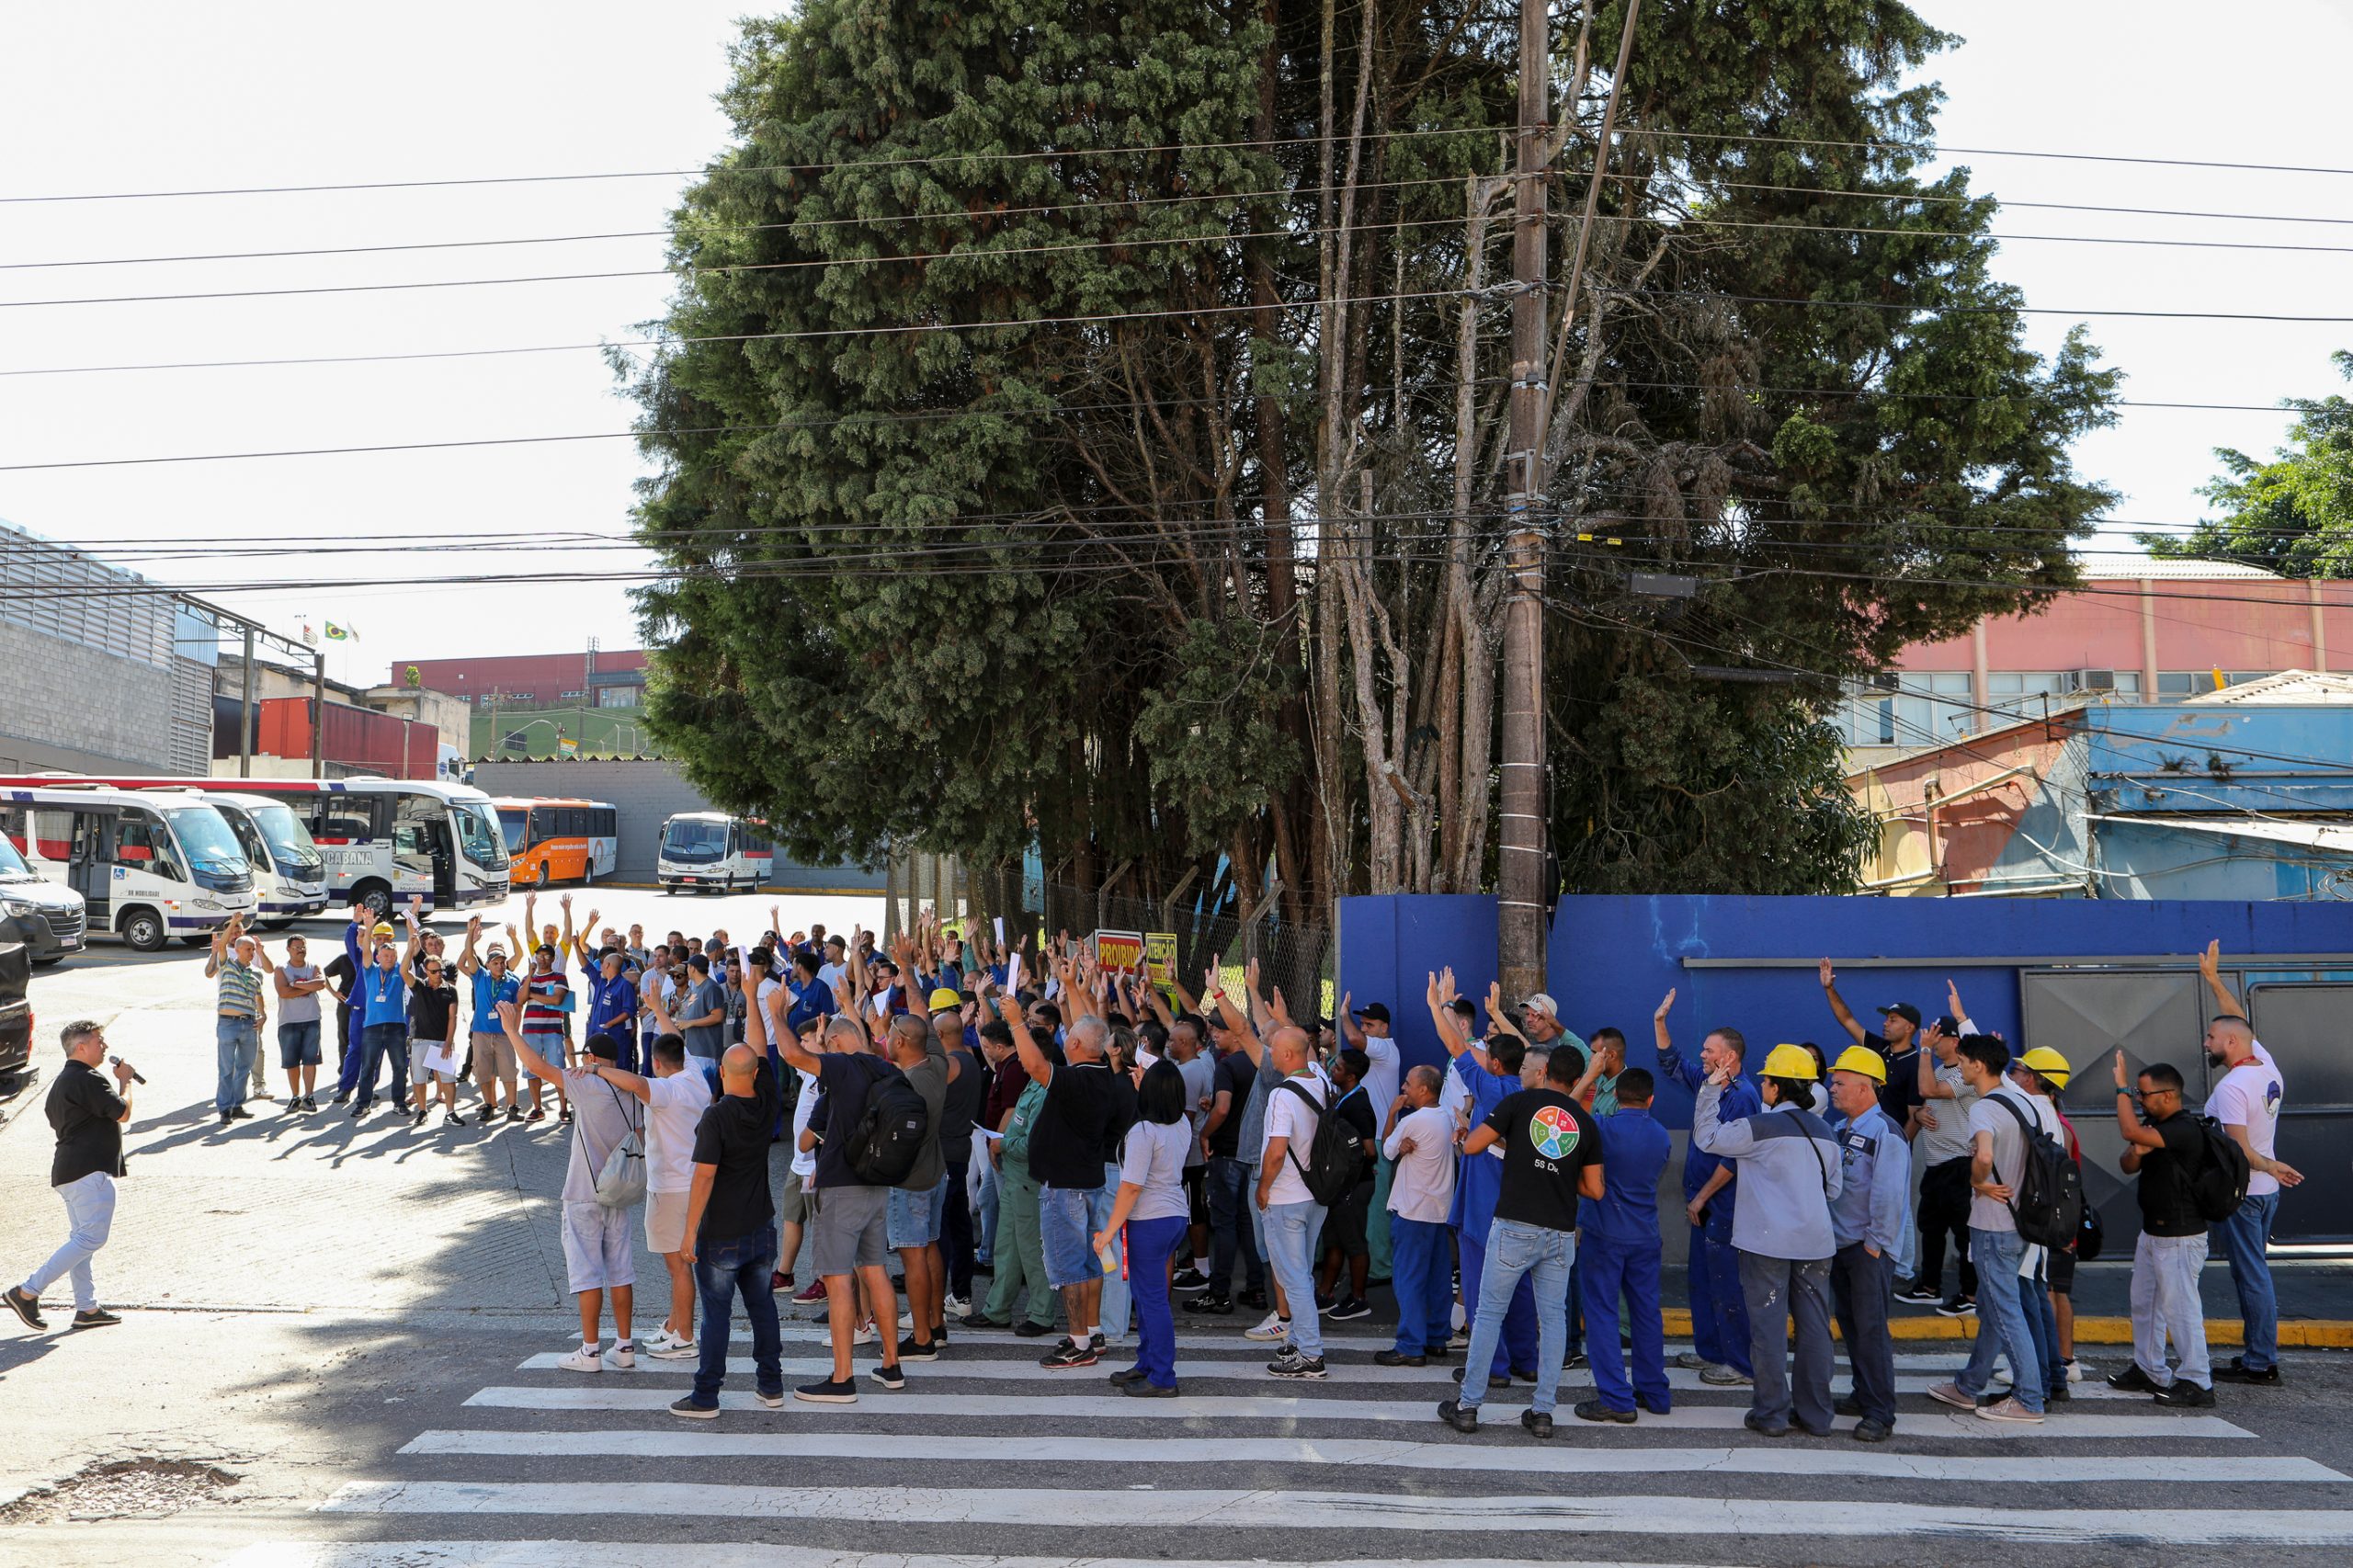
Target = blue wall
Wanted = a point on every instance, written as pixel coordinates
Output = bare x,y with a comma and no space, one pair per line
1610,959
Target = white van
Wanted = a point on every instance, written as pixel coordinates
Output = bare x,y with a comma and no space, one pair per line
713,851
149,867
51,921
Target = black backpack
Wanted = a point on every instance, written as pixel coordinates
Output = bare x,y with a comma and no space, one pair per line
2220,1186
2047,1199
888,1139
1334,1158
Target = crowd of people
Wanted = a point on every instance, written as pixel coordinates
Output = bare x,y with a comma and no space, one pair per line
1111,1151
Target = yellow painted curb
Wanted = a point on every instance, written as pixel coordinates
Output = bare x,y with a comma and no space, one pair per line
2307,1333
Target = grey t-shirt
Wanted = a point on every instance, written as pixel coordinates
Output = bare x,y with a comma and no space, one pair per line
303,1009
1949,1139
1201,1081
694,1001
929,1078
1152,1157
601,1117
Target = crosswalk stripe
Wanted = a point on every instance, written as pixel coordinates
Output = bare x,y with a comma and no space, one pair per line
1253,1508
746,1554
875,1400
1174,1455
1027,1371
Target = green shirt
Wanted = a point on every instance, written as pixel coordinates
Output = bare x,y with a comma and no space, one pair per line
240,989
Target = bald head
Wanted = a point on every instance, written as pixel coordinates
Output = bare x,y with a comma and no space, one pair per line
739,1070
909,1035
1291,1046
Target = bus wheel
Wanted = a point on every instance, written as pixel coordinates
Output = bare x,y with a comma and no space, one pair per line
544,878
143,929
377,897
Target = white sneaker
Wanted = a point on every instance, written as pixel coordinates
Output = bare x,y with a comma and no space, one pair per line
954,1306
668,1346
581,1360
866,1334
624,1356
2074,1372
1272,1330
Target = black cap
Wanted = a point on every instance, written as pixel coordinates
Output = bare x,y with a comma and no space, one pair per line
1903,1010
1376,1011
1949,1025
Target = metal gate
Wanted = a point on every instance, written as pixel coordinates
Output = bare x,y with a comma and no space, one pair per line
2160,1015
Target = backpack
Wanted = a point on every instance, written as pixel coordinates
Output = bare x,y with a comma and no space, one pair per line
888,1139
621,1183
2047,1199
2220,1186
1335,1159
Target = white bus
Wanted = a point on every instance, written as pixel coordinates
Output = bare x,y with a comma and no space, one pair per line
710,850
289,878
149,867
388,840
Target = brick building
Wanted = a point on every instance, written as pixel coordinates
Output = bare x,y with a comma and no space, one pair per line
589,678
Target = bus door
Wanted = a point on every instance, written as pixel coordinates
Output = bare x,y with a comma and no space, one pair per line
88,838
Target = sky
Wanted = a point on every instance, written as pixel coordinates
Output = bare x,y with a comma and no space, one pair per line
178,98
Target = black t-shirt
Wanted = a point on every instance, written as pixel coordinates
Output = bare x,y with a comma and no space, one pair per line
1238,1076
1355,1108
1547,1139
2166,1207
83,1111
733,1136
343,978
1066,1147
1902,1090
844,1078
960,1105
429,1007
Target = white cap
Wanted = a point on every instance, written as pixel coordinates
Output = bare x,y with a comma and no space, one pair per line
1544,1004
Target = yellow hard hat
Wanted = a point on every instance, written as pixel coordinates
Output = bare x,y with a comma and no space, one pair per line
1790,1061
1864,1060
383,929
2048,1062
946,1001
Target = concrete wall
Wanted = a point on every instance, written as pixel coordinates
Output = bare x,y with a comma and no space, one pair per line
69,706
645,793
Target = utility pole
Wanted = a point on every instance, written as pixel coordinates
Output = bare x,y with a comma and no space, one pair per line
1522,897
245,713
319,714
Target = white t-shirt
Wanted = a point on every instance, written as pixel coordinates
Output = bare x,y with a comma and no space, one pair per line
1454,1094
804,1162
1380,1083
1289,1117
671,1117
770,988
2249,1095
2009,1149
829,974
1152,1157
1422,1187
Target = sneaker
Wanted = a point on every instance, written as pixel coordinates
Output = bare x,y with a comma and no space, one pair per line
2237,1370
1031,1328
1957,1307
1095,1342
1296,1366
564,1114
809,1294
26,1306
2057,1393
539,1113
1454,1416
2131,1380
949,1306
687,1410
358,1110
978,1320
1140,1388
910,1350
1692,1361
1398,1358
1918,1294
1212,1305
1189,1280
1871,1430
96,1317
1594,1410
1255,1297
2074,1370
1725,1378
2183,1396
311,1102
624,1356
1354,1307
779,1280
1763,1428
1269,1330
677,1350
449,1118
662,1339
422,1112
1537,1421
1495,1379
2011,1409
239,1113
1325,1300
1066,1356
1458,1340
582,1361
514,1113
889,1377
867,1334
1949,1393
338,1097
1577,1358
827,1393
772,1401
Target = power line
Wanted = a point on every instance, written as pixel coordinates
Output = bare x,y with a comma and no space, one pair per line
1914,308
1939,150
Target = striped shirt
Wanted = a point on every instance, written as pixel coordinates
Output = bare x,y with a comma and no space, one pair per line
240,989
543,1004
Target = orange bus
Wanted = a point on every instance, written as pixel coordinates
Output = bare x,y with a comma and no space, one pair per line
559,841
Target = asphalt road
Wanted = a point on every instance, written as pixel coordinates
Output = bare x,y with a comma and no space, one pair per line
336,1351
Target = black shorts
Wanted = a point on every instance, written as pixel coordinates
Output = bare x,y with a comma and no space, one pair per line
1197,1193
1344,1228
2058,1272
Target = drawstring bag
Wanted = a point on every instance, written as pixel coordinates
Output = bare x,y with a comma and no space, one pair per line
621,1183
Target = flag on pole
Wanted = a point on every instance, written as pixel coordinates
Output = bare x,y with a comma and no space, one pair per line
341,633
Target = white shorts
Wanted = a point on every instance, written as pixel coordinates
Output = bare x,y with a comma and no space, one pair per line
665,1221
416,1072
597,1252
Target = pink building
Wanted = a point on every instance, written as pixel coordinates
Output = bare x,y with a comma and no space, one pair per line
2138,631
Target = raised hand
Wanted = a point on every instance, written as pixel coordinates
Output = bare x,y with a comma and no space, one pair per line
2210,962
1828,976
1953,1001
1669,1003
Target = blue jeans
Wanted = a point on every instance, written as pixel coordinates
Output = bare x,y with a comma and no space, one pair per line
721,1272
1064,1221
985,1244
1425,1284
89,1216
1292,1230
1230,1198
384,1042
2001,1321
237,1040
1517,1251
1516,1350
1112,1316
2246,1234
2042,1327
298,1044
1151,1243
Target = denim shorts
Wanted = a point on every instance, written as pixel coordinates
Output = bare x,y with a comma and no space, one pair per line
1064,1215
298,1044
599,1254
915,1216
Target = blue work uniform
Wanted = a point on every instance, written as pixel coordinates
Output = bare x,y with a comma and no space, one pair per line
1478,1183
1618,1250
1718,1314
1867,1221
612,1010
354,1053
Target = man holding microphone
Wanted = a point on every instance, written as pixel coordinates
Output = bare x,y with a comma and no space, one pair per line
87,1117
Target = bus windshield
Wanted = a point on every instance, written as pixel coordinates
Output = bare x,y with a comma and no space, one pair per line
512,822
203,836
478,836
694,841
290,842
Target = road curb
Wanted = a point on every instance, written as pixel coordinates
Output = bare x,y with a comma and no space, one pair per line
2308,1334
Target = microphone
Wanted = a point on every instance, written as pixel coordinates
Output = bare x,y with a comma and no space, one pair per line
117,1062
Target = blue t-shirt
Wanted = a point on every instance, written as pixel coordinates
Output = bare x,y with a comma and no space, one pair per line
814,1000
1634,1153
1479,1177
488,993
383,996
